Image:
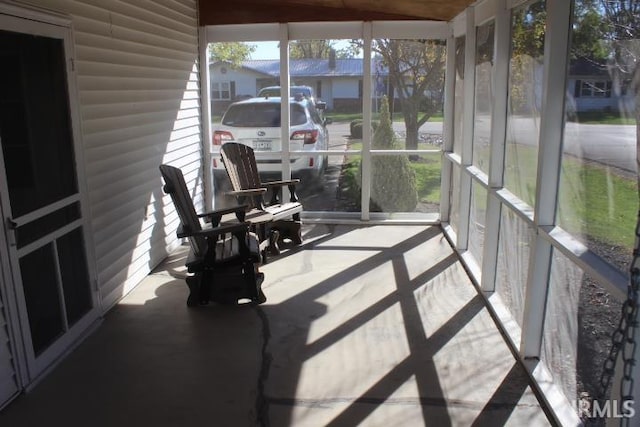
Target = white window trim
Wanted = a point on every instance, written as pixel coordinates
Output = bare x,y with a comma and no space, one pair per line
218,87
589,85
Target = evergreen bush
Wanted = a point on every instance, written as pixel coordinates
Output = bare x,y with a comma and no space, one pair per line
393,184
355,128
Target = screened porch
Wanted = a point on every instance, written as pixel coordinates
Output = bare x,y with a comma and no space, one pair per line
363,325
468,268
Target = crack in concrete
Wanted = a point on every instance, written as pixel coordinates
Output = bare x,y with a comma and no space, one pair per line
262,402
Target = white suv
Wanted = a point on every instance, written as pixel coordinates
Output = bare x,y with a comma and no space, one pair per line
305,91
256,122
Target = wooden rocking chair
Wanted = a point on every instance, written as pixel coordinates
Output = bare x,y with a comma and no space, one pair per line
240,163
224,258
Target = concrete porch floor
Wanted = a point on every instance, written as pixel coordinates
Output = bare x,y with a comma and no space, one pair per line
363,325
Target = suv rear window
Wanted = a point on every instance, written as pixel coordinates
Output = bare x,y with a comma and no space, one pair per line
261,115
293,91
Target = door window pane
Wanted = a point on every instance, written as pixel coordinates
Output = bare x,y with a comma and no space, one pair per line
580,319
35,126
514,244
458,114
75,275
404,183
483,96
42,226
410,74
239,71
39,282
328,73
454,196
598,195
525,100
477,221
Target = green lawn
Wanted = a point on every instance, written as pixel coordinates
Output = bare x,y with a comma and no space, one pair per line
345,117
596,117
598,203
427,168
349,117
594,201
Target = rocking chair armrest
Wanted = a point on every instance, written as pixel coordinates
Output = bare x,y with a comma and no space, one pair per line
247,192
223,211
215,216
215,231
280,183
276,194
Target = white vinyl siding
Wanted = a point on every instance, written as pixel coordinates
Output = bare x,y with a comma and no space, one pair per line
139,101
244,80
345,88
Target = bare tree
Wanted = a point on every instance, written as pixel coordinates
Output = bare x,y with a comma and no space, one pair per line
320,49
416,70
621,30
232,52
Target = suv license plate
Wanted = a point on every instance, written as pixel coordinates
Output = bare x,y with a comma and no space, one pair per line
259,145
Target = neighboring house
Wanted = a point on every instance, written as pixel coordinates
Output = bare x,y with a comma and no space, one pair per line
338,82
594,88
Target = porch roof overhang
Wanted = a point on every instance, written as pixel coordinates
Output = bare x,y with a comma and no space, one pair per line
257,11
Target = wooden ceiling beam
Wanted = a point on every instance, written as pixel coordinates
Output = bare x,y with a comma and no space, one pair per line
257,11
418,9
245,12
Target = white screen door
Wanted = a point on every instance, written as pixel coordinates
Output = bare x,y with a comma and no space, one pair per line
39,192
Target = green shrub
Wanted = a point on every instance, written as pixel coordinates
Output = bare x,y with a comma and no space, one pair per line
393,184
356,128
352,126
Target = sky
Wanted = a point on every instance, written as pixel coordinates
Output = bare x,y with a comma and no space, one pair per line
270,50
266,50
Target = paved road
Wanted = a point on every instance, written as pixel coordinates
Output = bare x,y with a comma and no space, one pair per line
339,132
613,145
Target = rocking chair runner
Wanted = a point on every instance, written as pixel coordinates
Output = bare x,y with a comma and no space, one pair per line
223,259
240,163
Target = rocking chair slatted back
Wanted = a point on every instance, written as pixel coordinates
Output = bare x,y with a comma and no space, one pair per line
240,163
223,263
176,187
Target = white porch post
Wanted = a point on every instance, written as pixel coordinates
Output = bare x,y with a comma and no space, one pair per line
447,130
366,121
285,121
548,177
498,134
205,114
467,143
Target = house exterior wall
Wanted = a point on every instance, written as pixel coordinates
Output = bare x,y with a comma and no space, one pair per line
614,102
327,93
244,85
345,93
345,88
339,92
139,102
322,86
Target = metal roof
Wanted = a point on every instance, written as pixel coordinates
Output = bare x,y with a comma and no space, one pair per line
312,67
